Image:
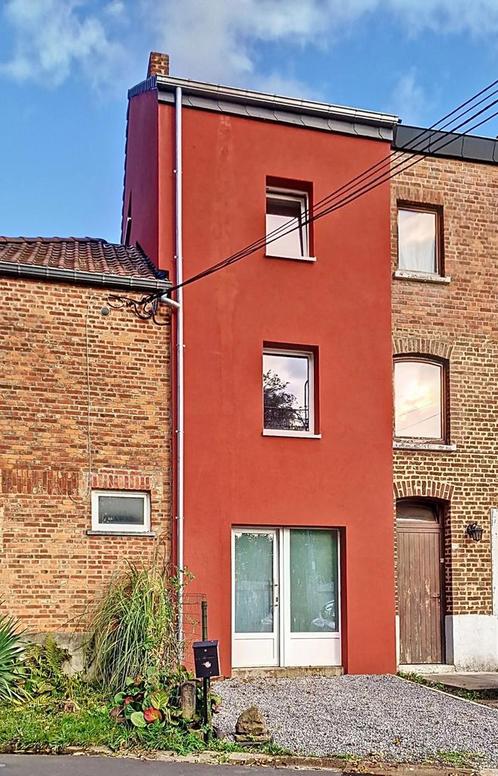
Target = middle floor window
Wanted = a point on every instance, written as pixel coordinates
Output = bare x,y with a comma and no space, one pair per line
288,391
419,398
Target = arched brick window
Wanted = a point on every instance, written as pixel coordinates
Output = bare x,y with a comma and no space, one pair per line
420,398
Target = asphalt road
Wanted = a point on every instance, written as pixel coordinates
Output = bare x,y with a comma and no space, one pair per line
46,765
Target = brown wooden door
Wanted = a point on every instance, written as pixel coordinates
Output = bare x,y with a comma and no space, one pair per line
419,584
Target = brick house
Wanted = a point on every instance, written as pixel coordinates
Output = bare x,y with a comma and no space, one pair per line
445,339
85,474
277,502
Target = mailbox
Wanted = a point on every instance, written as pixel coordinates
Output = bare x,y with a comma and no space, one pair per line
206,659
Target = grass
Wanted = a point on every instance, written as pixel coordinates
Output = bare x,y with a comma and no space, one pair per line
53,726
458,759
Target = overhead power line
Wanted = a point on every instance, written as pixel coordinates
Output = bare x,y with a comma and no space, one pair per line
379,173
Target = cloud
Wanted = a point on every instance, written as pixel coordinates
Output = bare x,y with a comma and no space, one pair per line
409,99
226,41
53,37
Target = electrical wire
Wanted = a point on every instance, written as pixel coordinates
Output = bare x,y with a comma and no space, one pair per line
360,180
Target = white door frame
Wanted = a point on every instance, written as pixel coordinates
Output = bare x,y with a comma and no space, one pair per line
291,649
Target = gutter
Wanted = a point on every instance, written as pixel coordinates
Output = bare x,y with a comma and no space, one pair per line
55,274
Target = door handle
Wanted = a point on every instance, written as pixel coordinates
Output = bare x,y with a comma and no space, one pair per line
436,595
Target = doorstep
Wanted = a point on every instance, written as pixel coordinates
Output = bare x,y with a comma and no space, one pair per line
286,672
467,680
426,668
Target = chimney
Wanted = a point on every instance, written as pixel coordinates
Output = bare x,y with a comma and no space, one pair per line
158,64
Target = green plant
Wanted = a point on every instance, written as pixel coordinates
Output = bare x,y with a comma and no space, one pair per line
11,654
133,628
43,669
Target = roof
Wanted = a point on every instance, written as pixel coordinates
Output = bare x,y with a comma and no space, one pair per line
452,145
79,259
271,107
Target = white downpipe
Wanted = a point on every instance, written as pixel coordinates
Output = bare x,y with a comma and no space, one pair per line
180,410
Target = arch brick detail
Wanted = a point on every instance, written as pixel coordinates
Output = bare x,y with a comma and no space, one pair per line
417,487
422,345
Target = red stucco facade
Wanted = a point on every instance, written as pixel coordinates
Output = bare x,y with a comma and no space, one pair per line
338,305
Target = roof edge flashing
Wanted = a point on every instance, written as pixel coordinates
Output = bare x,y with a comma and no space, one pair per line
247,97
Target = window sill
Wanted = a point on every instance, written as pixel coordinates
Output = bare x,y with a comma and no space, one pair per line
290,258
424,277
144,534
424,446
291,434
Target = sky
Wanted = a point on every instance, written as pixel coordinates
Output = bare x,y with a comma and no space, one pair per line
66,65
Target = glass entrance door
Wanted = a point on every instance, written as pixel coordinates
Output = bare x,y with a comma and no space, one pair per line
286,597
311,598
255,598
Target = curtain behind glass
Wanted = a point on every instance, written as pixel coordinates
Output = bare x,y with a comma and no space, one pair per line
417,241
313,581
254,582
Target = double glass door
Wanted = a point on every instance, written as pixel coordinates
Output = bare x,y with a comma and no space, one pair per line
285,596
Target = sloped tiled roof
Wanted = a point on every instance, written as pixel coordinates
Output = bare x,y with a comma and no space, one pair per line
79,254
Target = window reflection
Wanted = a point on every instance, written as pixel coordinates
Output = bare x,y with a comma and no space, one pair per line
417,389
286,391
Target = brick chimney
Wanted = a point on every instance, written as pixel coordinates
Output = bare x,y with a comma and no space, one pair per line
158,64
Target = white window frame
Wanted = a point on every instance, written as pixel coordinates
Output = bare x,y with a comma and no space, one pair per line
311,391
289,195
131,528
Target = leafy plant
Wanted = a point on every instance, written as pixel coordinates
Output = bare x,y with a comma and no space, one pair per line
11,654
133,629
43,668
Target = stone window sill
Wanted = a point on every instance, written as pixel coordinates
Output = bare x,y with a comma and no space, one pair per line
143,534
424,277
423,446
290,258
289,434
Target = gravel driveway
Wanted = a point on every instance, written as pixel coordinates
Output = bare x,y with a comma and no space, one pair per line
363,715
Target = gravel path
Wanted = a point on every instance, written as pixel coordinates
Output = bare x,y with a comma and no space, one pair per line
363,715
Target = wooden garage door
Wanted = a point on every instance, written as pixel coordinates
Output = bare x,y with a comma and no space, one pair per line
419,583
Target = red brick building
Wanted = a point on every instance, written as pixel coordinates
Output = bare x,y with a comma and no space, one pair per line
85,474
284,478
445,336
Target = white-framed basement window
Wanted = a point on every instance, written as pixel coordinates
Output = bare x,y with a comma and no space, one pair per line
288,392
287,210
120,511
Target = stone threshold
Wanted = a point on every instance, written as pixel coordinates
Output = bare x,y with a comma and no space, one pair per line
286,672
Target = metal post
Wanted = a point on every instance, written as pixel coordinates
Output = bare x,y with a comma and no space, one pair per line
206,682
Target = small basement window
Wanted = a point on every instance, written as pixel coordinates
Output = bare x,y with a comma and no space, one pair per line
286,211
120,511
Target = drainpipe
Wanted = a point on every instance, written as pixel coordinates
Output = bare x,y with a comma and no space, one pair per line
179,358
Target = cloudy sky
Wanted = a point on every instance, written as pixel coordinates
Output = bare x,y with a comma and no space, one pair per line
65,66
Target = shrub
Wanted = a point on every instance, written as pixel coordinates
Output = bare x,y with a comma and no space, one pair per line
133,630
11,654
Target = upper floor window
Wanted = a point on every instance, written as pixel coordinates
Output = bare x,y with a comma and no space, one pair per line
288,392
286,211
419,399
419,241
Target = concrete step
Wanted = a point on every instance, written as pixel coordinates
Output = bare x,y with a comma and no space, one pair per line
287,672
427,668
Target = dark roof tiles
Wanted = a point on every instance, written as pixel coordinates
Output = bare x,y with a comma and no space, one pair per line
87,254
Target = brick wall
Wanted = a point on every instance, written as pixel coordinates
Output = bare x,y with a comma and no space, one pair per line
458,321
85,402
